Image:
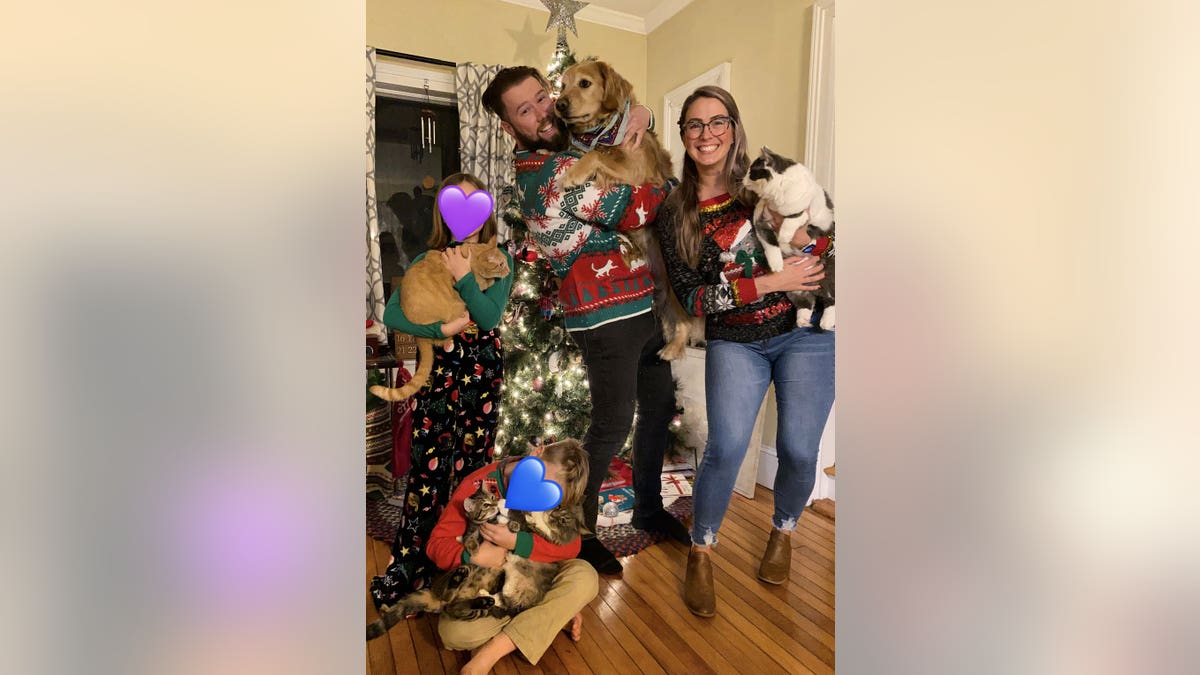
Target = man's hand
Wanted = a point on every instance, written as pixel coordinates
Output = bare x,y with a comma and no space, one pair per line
489,555
639,122
452,328
458,261
499,535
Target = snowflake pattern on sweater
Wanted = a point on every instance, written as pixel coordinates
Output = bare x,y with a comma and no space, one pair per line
580,232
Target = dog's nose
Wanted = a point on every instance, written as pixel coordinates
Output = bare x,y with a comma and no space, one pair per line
561,105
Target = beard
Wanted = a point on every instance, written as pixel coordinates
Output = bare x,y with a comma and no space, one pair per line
556,144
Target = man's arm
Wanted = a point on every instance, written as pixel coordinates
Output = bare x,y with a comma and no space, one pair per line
621,208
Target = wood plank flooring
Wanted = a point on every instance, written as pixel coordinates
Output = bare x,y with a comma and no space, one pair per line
638,623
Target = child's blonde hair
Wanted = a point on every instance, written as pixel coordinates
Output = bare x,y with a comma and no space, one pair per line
570,455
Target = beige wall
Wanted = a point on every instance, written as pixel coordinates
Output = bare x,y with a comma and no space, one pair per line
767,44
494,32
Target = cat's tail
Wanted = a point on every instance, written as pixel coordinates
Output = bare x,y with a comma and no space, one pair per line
414,602
424,368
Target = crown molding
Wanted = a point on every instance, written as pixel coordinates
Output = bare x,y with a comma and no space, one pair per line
665,10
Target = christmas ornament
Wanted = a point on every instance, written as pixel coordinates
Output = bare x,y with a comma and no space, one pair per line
562,14
538,383
610,510
555,360
546,304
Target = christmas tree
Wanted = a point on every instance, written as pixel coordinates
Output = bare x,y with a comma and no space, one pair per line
564,57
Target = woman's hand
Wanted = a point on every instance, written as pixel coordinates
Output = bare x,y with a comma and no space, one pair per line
639,122
800,273
499,535
489,555
452,328
458,261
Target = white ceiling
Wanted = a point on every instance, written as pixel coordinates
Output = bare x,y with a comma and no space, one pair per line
636,16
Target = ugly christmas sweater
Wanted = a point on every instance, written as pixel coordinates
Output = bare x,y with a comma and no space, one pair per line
578,230
721,287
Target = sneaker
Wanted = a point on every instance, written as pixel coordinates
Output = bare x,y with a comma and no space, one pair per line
666,524
600,558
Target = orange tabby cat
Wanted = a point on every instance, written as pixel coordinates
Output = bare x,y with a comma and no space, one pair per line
427,295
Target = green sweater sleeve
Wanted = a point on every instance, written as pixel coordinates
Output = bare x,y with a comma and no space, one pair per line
393,317
486,307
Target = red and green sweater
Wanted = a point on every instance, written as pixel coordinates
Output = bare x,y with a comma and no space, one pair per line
446,551
580,233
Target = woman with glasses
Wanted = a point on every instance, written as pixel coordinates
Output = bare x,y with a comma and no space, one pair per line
718,270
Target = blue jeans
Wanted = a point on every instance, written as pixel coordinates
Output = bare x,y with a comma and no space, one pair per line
736,377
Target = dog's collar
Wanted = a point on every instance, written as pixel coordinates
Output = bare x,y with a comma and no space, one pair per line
611,133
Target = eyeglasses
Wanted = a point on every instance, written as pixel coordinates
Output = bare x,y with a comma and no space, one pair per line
717,126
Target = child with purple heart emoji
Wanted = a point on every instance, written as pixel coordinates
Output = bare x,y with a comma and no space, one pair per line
462,396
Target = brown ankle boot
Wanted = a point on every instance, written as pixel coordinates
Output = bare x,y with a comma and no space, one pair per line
777,560
698,592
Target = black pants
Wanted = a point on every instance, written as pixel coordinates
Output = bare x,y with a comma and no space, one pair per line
624,371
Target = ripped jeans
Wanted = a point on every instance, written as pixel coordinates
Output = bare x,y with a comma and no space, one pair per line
736,378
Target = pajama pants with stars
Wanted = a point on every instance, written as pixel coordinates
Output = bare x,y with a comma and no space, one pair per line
454,429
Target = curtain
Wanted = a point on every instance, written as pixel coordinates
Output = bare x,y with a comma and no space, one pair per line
484,149
375,299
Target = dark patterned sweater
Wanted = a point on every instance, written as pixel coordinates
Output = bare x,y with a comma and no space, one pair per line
721,287
580,233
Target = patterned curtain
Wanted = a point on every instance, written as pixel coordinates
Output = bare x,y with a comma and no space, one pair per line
375,299
484,149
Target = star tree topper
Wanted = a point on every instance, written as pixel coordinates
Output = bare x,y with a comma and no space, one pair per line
562,14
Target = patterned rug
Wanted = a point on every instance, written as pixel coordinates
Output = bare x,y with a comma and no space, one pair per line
383,517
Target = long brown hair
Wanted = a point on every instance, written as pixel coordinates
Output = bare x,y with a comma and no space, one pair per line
439,236
684,200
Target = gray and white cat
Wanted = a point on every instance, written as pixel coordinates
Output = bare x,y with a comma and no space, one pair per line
791,190
472,591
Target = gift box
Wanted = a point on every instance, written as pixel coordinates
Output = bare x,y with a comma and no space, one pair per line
675,485
622,497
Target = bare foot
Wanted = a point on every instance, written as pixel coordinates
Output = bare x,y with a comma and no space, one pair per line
485,657
575,628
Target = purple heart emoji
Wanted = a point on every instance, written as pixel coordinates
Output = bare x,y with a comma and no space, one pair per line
528,490
464,214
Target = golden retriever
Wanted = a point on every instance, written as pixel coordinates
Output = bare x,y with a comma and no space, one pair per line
593,92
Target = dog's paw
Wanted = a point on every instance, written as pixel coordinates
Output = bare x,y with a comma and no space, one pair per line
803,317
672,351
828,320
573,177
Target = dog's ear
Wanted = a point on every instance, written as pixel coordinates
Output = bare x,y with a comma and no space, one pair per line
616,88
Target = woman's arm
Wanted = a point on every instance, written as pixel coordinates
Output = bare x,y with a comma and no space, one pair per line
697,297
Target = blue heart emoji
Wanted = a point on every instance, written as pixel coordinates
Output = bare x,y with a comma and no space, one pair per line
527,489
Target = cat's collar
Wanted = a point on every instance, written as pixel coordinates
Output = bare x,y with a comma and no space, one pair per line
819,247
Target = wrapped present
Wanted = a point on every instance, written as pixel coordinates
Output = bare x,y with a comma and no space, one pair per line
622,497
675,485
619,475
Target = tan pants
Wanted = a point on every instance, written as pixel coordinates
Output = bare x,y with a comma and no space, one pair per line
533,630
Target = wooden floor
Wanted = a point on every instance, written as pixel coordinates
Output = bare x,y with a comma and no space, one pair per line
638,623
